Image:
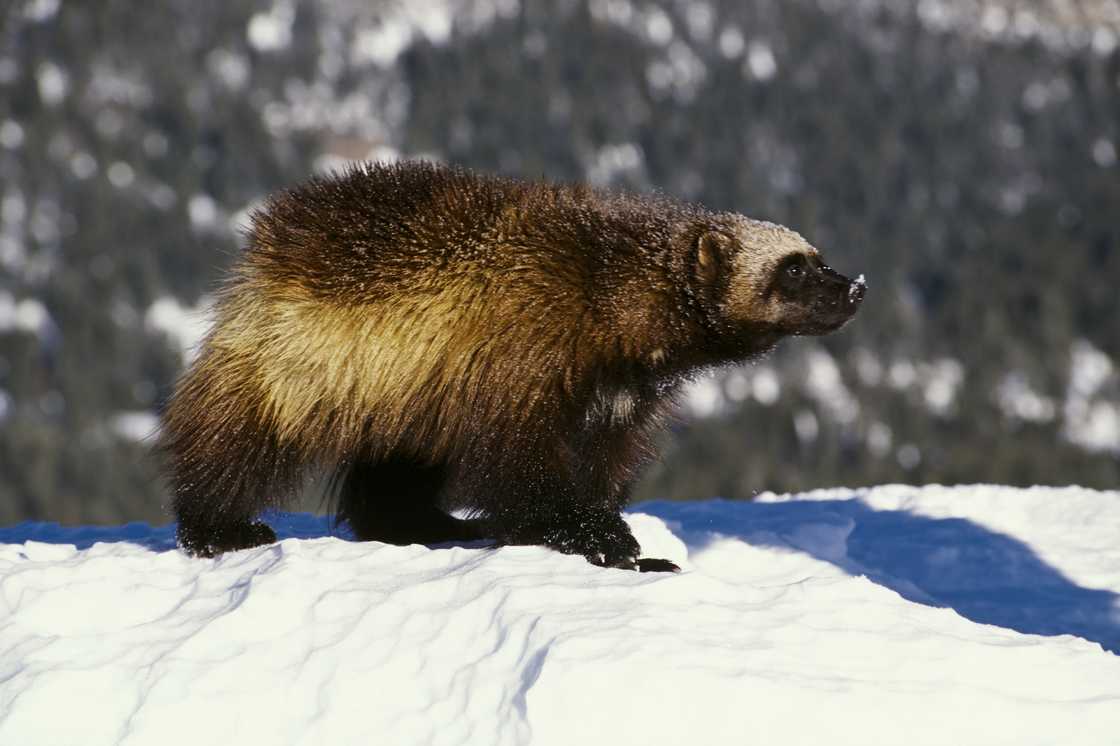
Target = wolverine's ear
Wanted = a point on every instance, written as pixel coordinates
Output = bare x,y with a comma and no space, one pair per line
713,252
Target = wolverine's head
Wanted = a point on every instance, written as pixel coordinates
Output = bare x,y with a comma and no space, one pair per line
765,276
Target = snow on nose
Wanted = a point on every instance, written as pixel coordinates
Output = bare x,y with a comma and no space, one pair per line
856,290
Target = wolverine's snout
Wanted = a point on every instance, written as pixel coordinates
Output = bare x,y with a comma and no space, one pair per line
835,298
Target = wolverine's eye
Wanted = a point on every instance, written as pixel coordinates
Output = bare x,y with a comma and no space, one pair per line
795,271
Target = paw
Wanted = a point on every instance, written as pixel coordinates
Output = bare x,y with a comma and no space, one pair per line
604,540
609,544
212,541
619,549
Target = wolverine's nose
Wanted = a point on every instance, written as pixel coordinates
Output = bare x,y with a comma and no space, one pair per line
856,291
845,295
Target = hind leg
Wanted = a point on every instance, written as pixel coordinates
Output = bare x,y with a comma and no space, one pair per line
221,483
396,501
225,462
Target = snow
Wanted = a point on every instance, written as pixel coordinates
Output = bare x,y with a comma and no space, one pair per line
384,44
231,68
53,83
680,71
760,61
202,211
909,456
40,10
399,28
806,426
1104,41
619,12
902,374
1019,400
879,438
13,208
701,19
272,30
83,165
731,42
110,85
858,285
825,384
897,614
612,161
121,175
659,27
11,134
1060,24
766,386
703,396
8,70
27,315
942,379
1091,421
708,394
1104,152
139,426
185,325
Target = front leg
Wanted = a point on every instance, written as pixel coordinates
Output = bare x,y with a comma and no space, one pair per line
573,519
606,540
602,537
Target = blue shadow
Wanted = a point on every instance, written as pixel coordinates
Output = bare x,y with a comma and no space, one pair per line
985,576
160,538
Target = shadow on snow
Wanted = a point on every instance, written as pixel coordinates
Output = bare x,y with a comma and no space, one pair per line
160,538
983,575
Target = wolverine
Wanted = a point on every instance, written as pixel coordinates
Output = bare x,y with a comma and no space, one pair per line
443,342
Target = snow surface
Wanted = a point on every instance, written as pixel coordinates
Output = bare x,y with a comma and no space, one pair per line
895,615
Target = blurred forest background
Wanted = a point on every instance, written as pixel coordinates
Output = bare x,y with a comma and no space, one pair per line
963,155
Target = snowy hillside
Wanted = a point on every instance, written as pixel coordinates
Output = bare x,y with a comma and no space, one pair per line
897,615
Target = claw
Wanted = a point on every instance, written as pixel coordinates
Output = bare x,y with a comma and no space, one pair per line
652,564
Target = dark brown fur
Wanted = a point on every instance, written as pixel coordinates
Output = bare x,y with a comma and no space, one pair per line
437,339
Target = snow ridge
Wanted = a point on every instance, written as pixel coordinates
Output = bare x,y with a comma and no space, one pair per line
896,614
